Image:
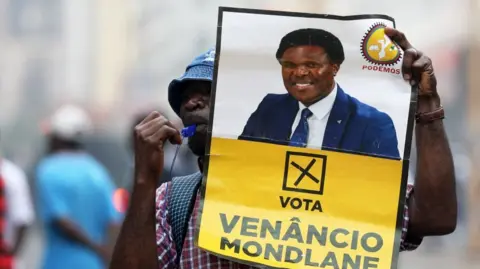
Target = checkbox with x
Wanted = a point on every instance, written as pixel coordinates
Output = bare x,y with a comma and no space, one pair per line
304,172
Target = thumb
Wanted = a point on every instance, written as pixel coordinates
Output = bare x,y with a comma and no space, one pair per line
174,134
176,138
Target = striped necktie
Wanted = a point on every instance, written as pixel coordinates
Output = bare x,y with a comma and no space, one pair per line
300,136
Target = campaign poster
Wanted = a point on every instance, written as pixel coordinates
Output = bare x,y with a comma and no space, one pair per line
310,137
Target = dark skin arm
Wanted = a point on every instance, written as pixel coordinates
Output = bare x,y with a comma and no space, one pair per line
433,204
136,245
20,234
112,232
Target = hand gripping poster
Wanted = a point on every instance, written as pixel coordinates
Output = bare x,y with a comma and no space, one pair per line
310,137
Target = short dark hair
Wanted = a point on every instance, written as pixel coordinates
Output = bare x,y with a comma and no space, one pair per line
313,37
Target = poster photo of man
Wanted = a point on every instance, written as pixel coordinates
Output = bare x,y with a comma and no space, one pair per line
315,111
296,81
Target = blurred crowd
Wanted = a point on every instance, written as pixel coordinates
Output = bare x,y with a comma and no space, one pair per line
77,75
73,191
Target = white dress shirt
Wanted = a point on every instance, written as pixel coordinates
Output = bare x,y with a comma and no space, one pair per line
317,123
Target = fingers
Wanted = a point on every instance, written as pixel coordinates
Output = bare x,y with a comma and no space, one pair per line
150,127
164,133
398,37
420,65
150,117
176,138
427,83
410,54
417,68
155,129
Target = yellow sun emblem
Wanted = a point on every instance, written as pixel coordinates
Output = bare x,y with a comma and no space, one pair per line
377,48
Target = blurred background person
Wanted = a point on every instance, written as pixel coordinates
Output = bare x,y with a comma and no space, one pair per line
18,213
75,195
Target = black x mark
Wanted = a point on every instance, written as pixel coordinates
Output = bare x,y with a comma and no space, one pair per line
305,172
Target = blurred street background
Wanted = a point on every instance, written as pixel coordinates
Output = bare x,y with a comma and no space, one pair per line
115,59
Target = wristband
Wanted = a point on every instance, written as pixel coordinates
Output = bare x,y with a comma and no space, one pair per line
428,117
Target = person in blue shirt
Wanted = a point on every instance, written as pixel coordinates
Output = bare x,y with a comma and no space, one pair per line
75,198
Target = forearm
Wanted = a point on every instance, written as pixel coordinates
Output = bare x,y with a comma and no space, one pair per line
433,205
71,231
136,244
113,231
20,236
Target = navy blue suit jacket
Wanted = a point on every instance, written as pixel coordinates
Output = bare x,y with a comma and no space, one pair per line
352,126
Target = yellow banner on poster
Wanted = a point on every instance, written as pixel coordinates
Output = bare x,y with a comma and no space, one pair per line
289,207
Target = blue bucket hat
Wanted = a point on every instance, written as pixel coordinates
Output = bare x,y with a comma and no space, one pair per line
201,68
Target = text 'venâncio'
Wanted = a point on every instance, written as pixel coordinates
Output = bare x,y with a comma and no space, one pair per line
294,244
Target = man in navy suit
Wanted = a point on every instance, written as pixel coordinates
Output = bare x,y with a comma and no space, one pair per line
316,112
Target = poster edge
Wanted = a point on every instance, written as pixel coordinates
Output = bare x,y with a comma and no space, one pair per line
203,185
405,172
306,14
410,123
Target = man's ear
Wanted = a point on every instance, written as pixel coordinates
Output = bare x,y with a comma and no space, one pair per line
336,68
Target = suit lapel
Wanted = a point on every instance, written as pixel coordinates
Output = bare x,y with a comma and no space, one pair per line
281,124
337,120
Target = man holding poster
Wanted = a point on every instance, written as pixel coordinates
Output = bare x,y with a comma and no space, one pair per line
316,112
429,210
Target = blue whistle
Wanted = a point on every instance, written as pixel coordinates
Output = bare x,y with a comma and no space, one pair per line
189,131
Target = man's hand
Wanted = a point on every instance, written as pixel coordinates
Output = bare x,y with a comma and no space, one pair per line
417,69
136,246
432,207
150,137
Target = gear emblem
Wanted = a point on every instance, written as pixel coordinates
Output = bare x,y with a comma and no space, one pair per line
377,48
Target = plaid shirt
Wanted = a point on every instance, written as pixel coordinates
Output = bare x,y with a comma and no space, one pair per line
193,257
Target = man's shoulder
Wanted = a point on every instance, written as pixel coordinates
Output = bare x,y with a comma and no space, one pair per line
161,197
364,111
7,165
47,162
57,162
275,98
46,170
99,170
164,191
11,172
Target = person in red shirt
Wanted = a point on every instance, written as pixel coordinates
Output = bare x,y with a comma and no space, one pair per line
16,213
146,240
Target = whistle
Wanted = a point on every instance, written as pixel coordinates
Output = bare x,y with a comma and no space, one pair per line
188,131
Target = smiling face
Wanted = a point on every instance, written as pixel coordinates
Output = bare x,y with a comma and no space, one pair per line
308,74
